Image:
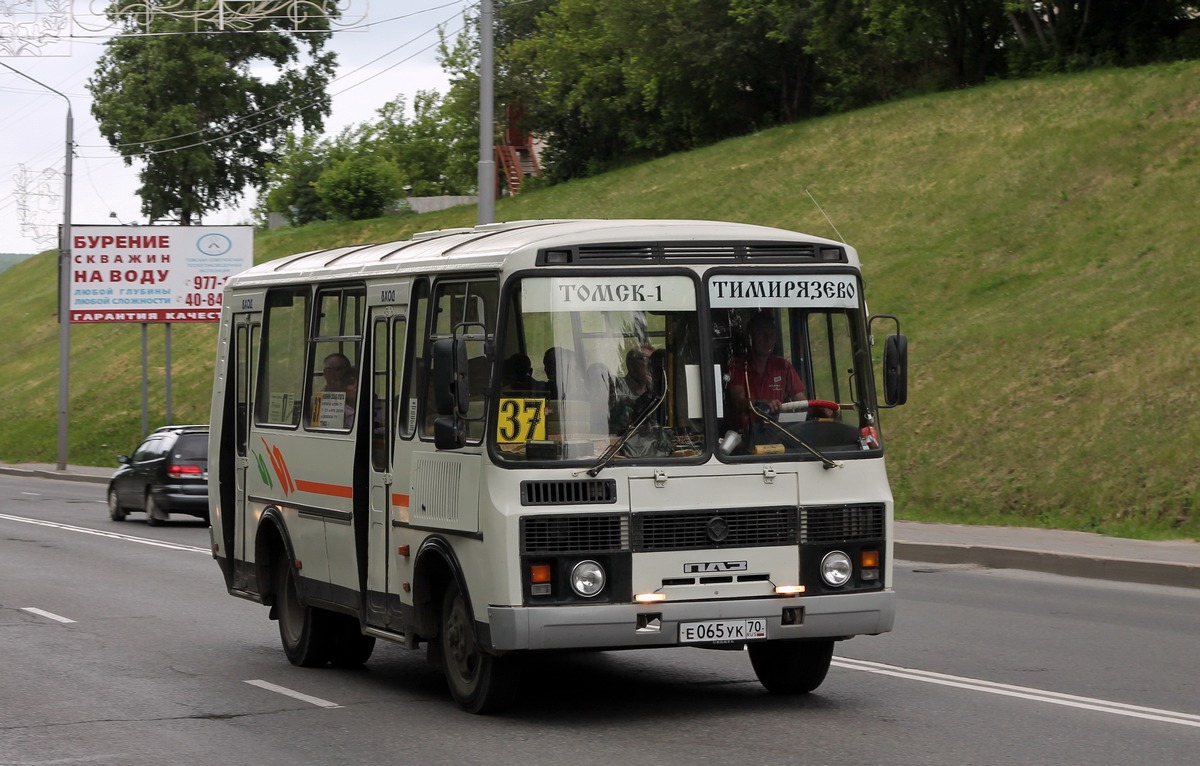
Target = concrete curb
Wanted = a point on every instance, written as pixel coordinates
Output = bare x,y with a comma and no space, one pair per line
49,473
1164,573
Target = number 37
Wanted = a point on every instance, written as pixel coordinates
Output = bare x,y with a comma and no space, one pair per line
520,420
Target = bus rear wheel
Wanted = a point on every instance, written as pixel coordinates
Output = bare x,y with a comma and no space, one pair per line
304,631
478,681
791,667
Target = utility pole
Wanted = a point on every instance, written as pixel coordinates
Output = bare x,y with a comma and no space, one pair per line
64,281
487,160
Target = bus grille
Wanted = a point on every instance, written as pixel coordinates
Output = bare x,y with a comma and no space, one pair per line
592,533
568,492
695,252
841,523
740,528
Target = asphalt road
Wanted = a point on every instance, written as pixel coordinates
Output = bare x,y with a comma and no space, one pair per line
119,645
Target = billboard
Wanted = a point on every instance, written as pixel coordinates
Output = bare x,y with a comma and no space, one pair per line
154,273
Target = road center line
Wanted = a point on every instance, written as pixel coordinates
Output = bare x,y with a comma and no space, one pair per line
101,533
1022,692
47,615
293,694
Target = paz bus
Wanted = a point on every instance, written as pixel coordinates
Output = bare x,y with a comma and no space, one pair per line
496,441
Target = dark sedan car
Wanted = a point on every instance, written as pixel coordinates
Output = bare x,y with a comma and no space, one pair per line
167,473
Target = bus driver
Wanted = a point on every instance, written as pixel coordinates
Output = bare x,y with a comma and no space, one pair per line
760,375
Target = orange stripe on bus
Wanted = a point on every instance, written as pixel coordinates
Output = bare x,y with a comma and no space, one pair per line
317,488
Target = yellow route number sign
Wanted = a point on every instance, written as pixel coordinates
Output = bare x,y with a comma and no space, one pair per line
520,420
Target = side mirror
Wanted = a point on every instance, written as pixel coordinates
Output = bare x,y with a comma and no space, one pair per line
895,370
123,459
448,433
450,384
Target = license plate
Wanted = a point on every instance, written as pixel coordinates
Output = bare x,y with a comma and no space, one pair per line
723,630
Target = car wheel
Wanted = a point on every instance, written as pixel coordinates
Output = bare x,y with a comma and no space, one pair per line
154,515
115,511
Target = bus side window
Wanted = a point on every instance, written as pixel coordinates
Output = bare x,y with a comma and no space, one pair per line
466,308
334,357
281,381
417,401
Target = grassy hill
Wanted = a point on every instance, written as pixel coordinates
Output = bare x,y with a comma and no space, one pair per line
1036,238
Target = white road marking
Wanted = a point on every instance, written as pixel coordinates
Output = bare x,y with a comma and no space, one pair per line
112,535
293,694
1022,692
47,615
926,676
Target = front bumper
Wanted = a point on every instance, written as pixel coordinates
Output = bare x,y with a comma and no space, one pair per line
613,626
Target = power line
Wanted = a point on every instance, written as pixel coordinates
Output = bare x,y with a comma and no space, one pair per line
281,105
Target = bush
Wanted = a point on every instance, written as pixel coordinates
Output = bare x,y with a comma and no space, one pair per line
359,187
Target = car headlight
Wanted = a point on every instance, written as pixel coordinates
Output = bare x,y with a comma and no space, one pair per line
587,578
836,569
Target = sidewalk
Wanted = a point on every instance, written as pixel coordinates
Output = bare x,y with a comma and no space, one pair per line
1074,554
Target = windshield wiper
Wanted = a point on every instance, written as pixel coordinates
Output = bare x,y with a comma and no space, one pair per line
635,422
800,406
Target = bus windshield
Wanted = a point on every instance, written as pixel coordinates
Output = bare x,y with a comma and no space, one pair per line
599,362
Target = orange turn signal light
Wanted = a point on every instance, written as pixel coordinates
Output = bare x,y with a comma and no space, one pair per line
870,559
539,573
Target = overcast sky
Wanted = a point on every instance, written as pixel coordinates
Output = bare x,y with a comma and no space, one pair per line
391,50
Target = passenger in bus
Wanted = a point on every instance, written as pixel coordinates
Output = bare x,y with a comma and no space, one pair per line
637,379
760,379
517,375
634,392
335,368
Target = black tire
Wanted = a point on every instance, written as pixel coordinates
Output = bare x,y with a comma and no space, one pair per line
478,681
791,667
304,631
349,648
115,511
154,515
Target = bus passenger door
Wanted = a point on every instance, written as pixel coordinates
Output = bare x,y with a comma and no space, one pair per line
387,369
247,332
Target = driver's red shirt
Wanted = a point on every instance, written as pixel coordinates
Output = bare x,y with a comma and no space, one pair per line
779,381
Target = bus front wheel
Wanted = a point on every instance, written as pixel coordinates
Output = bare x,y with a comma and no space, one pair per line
478,681
791,667
304,631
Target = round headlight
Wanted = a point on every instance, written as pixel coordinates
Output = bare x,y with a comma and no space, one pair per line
836,569
587,578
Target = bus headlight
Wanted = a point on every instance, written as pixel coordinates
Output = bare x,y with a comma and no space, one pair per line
836,569
587,579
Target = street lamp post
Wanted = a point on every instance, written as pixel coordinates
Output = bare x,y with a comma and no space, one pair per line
487,160
64,281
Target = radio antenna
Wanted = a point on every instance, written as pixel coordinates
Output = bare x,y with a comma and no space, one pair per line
818,204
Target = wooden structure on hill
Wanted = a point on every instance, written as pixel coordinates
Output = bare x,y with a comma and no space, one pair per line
516,158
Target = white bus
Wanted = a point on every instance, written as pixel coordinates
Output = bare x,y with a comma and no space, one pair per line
554,435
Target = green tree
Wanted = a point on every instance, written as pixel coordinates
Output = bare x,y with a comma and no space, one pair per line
360,186
1070,34
290,180
185,102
